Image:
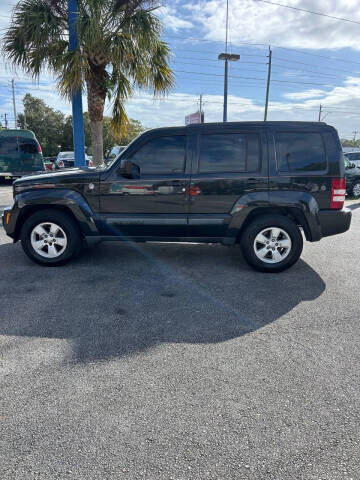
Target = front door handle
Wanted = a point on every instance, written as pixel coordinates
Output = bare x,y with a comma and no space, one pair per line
252,180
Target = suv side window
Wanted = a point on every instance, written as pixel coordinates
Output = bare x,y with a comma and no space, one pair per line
300,152
161,155
229,152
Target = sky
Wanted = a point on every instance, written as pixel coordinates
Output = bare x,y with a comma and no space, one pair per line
315,60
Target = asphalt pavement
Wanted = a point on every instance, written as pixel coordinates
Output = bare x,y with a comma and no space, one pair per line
169,361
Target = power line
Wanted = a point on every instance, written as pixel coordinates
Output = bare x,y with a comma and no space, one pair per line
213,66
256,79
273,46
338,59
214,52
310,11
307,71
280,59
215,60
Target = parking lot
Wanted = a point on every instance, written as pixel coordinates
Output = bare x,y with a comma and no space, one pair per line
167,361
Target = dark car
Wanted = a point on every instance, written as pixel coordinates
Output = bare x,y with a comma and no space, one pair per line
353,157
113,153
352,173
20,154
254,185
67,160
49,163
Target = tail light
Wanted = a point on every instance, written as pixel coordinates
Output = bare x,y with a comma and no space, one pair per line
90,163
61,164
39,148
338,189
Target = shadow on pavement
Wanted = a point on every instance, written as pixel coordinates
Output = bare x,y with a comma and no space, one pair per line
353,206
119,299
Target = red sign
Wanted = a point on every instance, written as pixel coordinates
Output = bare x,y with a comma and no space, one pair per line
193,118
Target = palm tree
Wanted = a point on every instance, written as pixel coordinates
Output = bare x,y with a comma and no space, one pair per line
119,50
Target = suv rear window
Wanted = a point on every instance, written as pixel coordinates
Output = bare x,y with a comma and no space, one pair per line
13,145
28,146
300,152
229,152
8,145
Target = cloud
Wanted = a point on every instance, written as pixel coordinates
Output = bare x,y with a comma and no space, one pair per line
172,20
340,105
252,21
313,93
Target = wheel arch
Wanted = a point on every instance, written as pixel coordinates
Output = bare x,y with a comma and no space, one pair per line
29,210
293,213
61,199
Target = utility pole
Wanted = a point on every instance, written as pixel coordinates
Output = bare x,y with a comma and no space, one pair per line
77,111
320,112
6,122
201,110
355,132
268,85
13,99
232,57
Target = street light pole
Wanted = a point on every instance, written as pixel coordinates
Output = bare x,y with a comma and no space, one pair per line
232,57
77,111
226,75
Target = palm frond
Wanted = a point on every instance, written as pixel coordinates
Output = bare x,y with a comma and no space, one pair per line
33,36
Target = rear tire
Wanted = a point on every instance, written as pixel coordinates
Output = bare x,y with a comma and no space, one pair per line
356,190
271,243
50,238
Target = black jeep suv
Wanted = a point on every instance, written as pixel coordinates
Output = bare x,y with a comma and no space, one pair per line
250,184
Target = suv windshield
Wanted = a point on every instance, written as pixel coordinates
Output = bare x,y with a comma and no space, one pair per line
353,156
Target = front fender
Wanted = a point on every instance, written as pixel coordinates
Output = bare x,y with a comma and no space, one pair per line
58,197
301,205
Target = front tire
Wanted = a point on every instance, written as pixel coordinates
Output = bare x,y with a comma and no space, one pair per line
272,243
50,237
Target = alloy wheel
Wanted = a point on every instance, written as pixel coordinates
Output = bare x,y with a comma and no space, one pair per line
356,190
272,245
48,240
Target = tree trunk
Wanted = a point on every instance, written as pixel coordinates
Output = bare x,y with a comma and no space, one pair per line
96,92
97,150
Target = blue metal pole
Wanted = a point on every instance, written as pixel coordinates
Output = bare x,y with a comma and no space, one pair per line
77,111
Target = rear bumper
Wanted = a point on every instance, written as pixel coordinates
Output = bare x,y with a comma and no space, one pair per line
333,222
9,175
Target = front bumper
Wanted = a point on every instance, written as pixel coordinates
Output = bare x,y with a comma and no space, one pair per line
9,219
333,222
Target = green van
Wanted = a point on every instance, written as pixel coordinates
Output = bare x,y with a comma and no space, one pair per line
20,154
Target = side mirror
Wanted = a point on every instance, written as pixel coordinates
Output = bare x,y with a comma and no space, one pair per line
128,169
